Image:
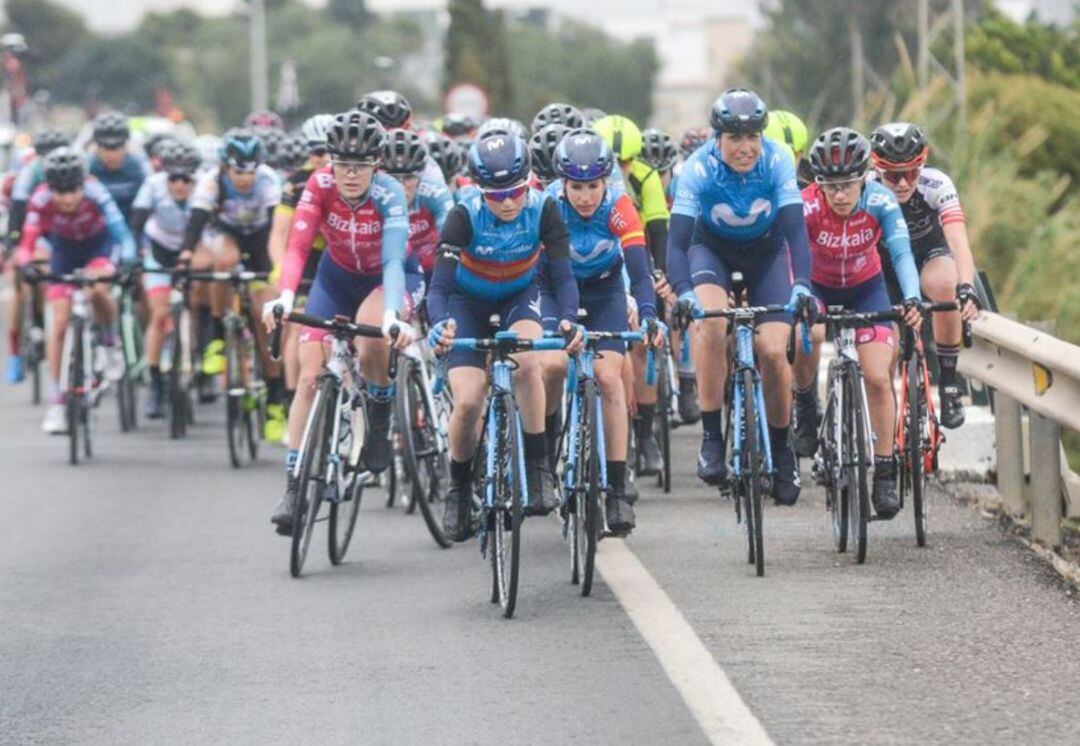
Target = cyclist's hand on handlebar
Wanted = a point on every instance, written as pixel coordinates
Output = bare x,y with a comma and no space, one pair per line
655,332
398,333
31,272
183,261
574,334
689,305
441,335
663,288
968,300
913,312
285,300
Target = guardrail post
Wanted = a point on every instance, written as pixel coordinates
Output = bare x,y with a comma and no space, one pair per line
1009,444
1045,479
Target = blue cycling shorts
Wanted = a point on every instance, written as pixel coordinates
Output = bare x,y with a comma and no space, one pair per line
765,264
603,299
472,317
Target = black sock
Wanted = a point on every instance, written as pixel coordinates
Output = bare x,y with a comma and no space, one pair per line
460,471
806,395
206,323
884,466
535,447
778,436
947,355
553,423
155,374
616,476
275,390
711,423
646,413
217,327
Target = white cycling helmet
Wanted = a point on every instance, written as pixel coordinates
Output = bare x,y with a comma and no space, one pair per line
314,129
209,147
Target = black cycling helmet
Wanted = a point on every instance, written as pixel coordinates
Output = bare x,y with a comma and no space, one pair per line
356,135
738,111
447,153
180,158
389,107
898,144
499,159
403,153
839,153
110,130
658,149
693,139
459,125
292,152
271,140
583,155
48,140
64,170
542,150
564,114
241,148
264,120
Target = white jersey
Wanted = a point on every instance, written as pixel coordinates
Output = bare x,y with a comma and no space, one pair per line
168,218
244,212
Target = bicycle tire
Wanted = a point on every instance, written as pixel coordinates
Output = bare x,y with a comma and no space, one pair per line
74,388
831,458
858,491
913,459
235,425
752,474
177,405
313,456
428,465
590,481
506,526
664,413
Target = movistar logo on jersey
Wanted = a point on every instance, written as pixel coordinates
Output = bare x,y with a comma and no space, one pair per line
724,213
598,249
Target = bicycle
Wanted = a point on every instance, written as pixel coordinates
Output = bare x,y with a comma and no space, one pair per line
499,462
131,338
328,466
82,368
585,468
750,468
32,332
178,355
245,403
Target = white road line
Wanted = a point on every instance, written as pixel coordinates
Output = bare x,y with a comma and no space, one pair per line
703,685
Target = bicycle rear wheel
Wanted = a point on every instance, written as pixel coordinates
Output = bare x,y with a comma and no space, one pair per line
426,460
752,474
506,516
313,457
857,462
913,458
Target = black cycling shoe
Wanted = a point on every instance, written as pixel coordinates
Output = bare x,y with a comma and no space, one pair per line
807,422
620,514
649,461
153,408
630,492
786,484
457,515
689,409
378,450
952,409
283,513
711,467
542,499
207,388
884,496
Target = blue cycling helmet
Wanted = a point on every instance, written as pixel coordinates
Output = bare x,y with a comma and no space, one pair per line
583,155
738,111
499,159
241,147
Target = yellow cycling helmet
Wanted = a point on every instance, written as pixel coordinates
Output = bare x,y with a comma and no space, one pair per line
785,127
621,134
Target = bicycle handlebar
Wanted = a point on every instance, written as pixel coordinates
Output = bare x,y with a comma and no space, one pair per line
339,327
239,277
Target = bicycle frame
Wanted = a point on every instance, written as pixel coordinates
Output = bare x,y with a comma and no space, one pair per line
744,360
582,369
932,436
847,355
501,380
80,309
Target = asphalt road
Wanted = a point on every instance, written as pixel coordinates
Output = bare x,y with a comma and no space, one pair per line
144,598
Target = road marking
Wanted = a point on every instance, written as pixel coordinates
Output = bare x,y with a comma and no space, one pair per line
703,685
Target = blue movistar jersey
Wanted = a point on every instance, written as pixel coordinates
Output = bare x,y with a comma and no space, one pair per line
123,183
597,242
735,206
501,258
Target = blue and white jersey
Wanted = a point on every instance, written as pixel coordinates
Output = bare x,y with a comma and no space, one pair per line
168,218
246,212
124,182
501,259
733,206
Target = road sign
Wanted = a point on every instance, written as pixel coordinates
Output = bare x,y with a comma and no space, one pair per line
467,98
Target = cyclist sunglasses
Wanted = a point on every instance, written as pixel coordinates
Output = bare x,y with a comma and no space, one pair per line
318,150
353,166
832,186
186,178
910,175
500,195
244,167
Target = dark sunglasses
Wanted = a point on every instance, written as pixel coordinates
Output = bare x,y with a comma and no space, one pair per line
318,150
910,175
500,195
186,178
65,190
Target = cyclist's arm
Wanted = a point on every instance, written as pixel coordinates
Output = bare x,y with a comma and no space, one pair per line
115,224
684,213
957,238
789,215
203,201
197,221
32,231
556,240
395,241
309,217
456,234
894,234
655,216
625,224
139,216
16,218
279,234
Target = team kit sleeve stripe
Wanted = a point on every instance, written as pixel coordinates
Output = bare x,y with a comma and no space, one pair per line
952,214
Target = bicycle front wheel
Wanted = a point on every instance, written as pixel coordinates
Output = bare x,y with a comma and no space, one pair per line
857,460
589,493
913,458
663,415
752,474
836,494
178,394
313,458
507,512
426,460
236,424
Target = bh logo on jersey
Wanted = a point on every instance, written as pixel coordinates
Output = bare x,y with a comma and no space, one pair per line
725,214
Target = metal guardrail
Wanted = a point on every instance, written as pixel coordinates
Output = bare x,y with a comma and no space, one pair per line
1032,369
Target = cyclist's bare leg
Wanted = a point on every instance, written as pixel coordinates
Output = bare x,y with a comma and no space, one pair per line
528,382
709,347
613,402
939,280
312,359
806,365
374,354
470,386
158,327
260,297
100,297
770,348
226,256
54,341
875,359
553,369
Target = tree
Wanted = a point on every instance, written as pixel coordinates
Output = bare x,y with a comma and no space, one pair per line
476,51
51,31
351,13
122,70
998,44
